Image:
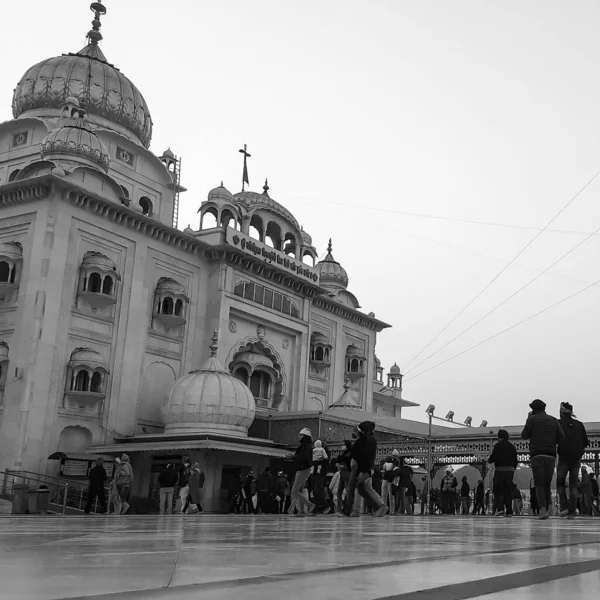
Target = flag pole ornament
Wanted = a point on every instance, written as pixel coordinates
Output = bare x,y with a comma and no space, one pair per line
245,180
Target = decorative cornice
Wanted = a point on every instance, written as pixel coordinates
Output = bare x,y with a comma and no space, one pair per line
70,147
20,192
349,314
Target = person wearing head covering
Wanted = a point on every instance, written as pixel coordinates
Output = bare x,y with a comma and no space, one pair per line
390,481
303,461
167,481
448,487
479,506
544,434
364,452
196,485
319,472
570,452
343,462
123,478
504,459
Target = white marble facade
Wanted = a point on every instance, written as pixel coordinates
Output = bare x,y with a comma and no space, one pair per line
104,304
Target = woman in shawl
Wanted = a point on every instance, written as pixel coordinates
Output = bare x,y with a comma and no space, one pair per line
196,485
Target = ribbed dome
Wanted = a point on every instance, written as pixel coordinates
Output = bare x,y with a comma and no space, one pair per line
395,370
78,141
220,194
331,274
306,238
210,400
250,199
106,94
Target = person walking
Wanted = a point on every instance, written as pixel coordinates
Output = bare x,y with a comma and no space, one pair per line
249,493
424,493
479,506
282,491
98,477
265,486
586,493
343,464
411,494
517,501
571,449
389,471
448,490
364,452
123,479
504,459
465,491
319,472
303,460
196,485
405,474
544,434
167,481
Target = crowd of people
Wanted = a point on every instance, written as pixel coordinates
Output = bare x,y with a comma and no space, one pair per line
356,482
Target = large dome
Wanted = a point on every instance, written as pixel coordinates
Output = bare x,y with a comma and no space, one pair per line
210,400
331,274
109,98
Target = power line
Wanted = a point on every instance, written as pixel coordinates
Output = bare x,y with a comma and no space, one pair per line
505,268
595,283
461,248
436,217
507,299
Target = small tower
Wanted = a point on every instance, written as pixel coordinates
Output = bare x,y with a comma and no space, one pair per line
394,378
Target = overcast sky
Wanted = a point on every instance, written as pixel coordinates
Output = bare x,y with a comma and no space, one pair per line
361,112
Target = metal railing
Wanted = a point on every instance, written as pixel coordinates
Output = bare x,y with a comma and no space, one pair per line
66,496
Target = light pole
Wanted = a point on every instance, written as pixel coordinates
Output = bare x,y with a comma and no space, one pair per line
430,410
320,415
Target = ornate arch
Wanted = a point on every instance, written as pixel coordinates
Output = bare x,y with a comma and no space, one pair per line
245,345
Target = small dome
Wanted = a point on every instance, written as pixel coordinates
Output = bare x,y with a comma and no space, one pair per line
395,370
210,400
98,261
12,250
86,357
251,199
377,362
76,141
306,238
168,153
188,230
220,194
331,274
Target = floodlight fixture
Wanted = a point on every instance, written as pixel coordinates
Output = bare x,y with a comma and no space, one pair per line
450,416
430,410
483,424
468,421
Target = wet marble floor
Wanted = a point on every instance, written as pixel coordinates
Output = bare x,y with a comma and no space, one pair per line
210,557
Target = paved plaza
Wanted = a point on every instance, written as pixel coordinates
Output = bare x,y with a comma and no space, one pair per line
259,558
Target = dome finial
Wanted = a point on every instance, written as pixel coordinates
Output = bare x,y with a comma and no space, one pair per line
94,34
214,346
266,188
329,248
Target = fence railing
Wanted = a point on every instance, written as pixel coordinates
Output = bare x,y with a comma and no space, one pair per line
65,497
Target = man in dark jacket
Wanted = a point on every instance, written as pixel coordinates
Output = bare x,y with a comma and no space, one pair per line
97,478
303,461
570,451
544,434
504,459
465,491
363,454
479,507
167,481
265,486
404,475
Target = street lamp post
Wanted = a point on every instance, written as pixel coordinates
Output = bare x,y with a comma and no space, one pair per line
430,410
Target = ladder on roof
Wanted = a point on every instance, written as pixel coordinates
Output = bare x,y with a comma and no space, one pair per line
176,187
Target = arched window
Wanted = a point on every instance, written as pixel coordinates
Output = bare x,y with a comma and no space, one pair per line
179,308
354,366
260,385
209,219
5,271
146,205
107,285
242,375
227,219
167,306
94,283
256,230
82,381
14,174
96,382
319,353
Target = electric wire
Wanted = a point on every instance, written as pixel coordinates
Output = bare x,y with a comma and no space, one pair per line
430,216
504,269
493,310
529,318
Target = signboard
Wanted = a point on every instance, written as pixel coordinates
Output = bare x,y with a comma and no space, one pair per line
75,468
270,255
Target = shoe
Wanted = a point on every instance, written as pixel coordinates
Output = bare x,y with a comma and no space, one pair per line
571,517
354,515
326,511
543,515
499,513
381,512
311,508
339,514
563,513
125,508
508,515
